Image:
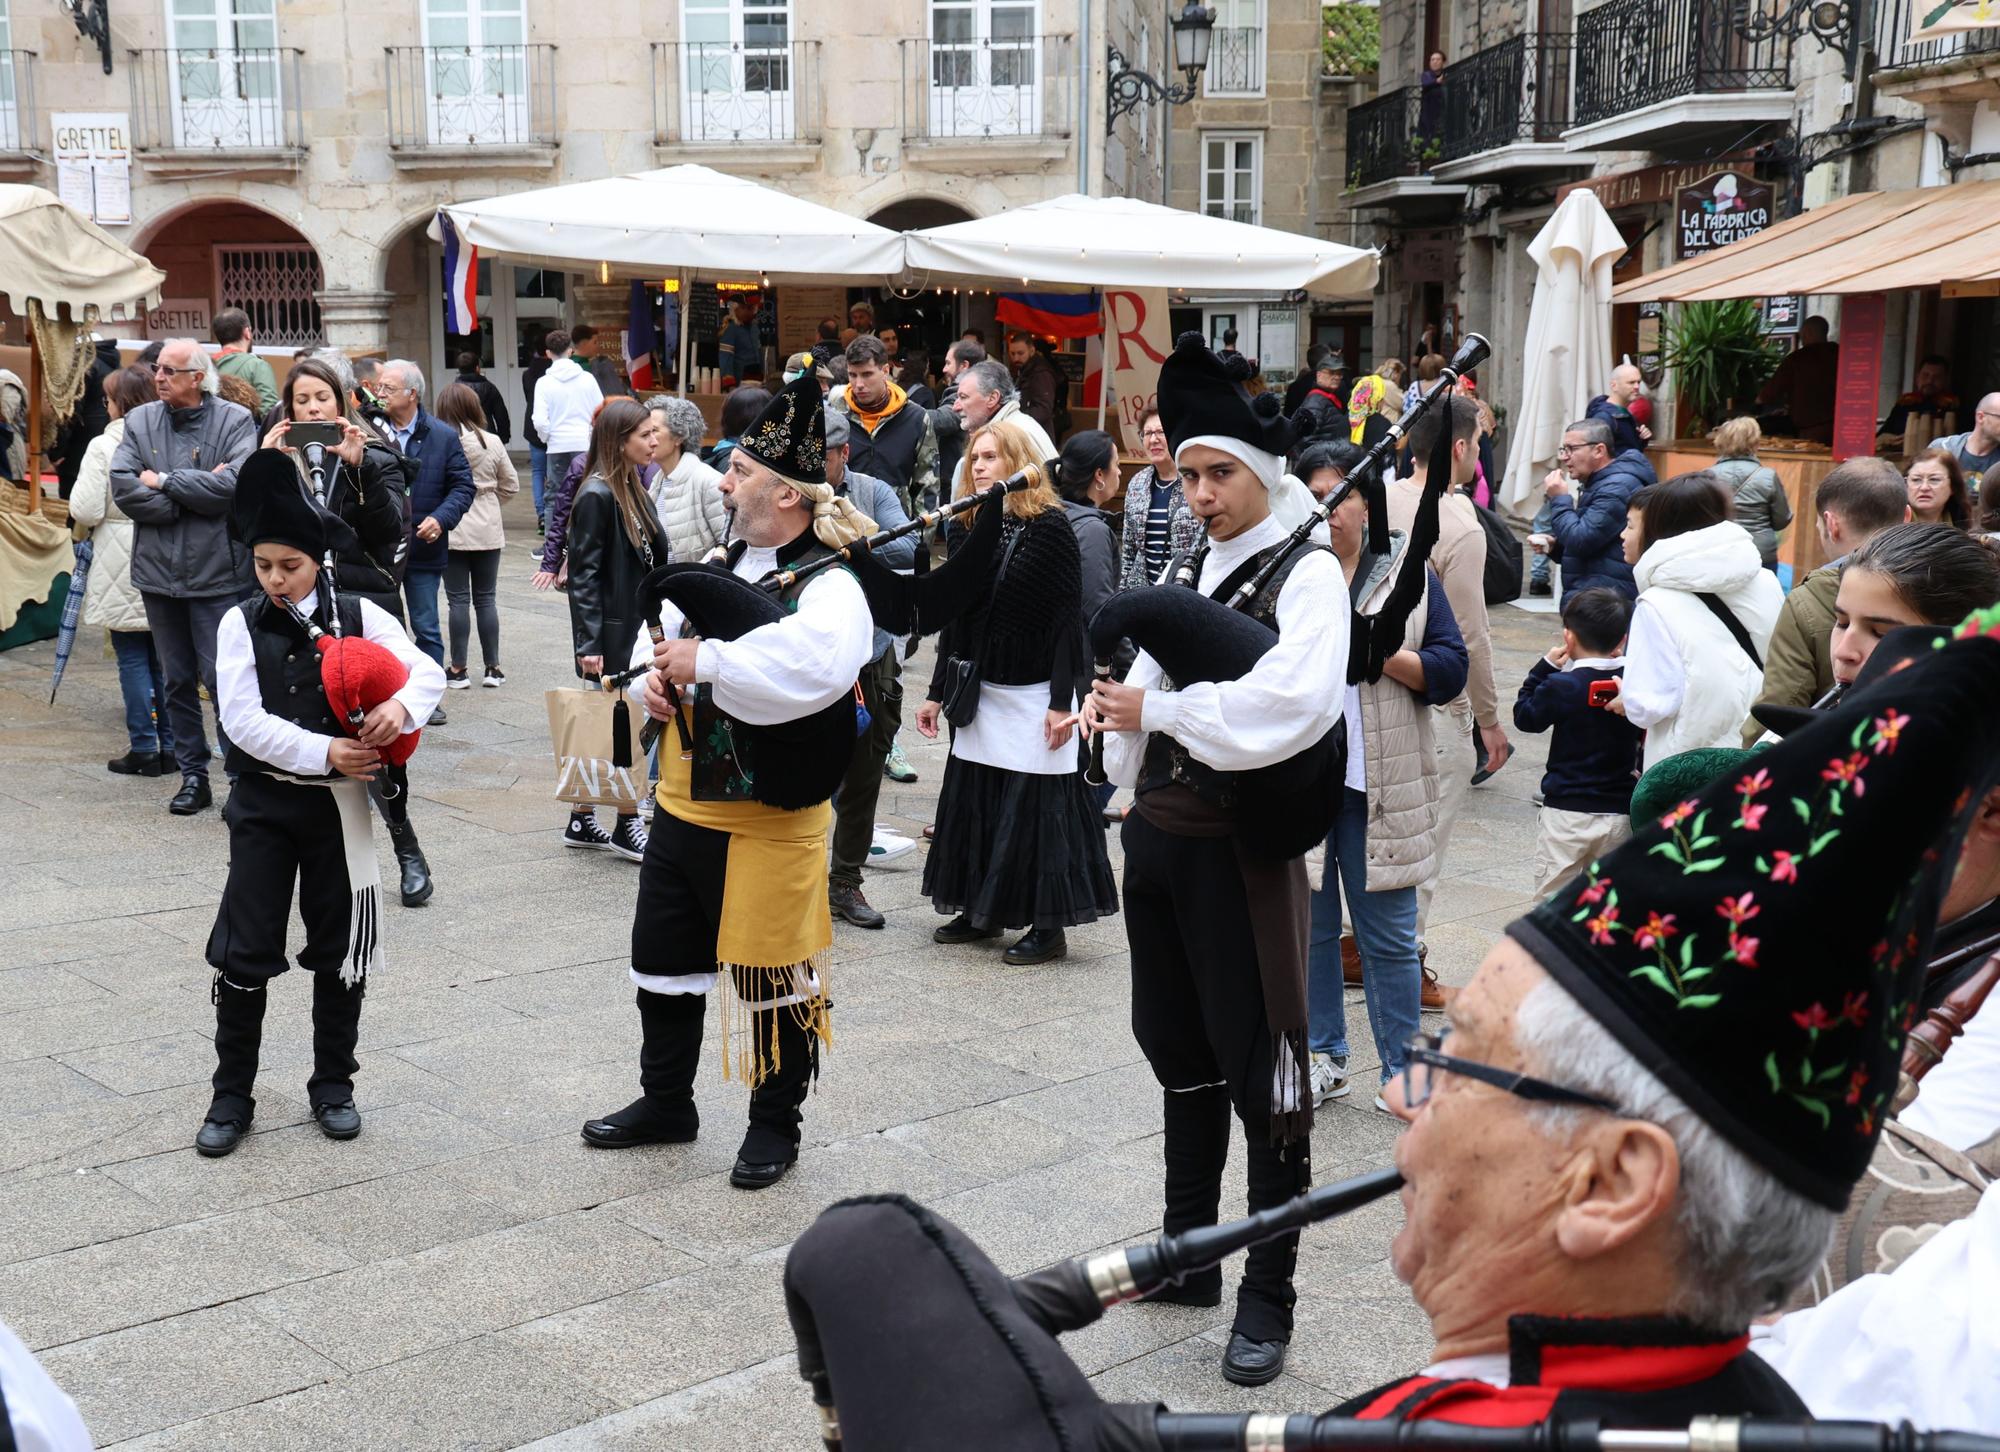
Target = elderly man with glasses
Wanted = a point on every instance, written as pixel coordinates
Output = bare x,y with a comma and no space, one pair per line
174,475
1657,1095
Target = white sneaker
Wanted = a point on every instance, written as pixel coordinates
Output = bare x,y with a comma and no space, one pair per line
888,846
1329,1078
1382,1104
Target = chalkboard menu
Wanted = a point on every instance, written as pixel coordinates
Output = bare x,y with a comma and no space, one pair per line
704,311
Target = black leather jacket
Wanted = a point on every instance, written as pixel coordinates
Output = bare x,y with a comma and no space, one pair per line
604,574
377,509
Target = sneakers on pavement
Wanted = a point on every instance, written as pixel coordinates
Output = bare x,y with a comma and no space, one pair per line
896,766
584,832
1329,1078
888,846
628,839
1381,1104
456,678
494,677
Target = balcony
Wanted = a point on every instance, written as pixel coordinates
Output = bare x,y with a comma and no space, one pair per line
493,106
762,102
996,102
1390,151
18,132
1675,74
1505,110
1954,69
197,111
1235,62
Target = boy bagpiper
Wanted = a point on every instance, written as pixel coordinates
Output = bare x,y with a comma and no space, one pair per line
300,805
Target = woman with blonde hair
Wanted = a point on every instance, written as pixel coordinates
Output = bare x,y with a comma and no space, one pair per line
1761,505
1019,842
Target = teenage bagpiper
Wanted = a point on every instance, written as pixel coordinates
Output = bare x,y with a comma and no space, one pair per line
299,810
1217,937
730,880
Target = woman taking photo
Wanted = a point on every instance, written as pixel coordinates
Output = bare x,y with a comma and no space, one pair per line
1158,522
472,566
1694,662
1761,506
683,488
1937,490
110,599
1019,841
614,540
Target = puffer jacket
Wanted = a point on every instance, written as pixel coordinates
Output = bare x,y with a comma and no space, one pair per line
1761,505
1590,527
1687,682
182,546
690,507
110,599
493,479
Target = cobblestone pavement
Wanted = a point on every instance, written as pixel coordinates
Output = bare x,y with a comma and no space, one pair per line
467,1274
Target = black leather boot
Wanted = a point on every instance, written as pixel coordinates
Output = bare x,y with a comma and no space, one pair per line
669,1051
1198,1126
416,872
1263,1328
336,1032
239,1034
771,1145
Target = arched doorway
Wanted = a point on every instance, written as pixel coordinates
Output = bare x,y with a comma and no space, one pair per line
225,253
927,322
913,214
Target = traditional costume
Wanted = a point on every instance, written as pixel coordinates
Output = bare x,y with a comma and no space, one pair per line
1758,948
1216,923
292,816
733,885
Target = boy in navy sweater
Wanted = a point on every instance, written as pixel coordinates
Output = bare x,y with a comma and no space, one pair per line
1594,752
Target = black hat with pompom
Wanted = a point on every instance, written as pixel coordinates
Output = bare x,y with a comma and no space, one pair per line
1202,396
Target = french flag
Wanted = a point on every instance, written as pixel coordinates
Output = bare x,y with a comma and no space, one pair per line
1052,314
640,339
461,281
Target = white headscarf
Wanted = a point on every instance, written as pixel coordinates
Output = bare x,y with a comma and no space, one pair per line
1291,501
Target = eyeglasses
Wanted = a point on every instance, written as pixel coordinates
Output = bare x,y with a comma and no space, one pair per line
1425,1065
1151,434
162,370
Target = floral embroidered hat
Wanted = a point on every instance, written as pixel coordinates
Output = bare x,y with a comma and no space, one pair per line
789,437
1760,945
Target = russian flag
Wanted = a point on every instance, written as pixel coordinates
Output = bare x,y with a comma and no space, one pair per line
461,281
640,339
1052,314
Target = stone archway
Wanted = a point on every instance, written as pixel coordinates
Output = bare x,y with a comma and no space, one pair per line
912,214
228,253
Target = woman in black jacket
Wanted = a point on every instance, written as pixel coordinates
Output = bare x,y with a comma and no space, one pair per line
1020,841
614,540
1087,478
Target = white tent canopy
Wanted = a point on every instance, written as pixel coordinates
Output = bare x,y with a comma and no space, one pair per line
685,219
58,257
1568,354
1079,241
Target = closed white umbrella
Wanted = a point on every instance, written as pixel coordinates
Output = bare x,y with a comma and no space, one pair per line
1568,355
1079,241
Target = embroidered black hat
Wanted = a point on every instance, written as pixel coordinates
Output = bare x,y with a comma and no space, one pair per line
1202,398
789,437
1897,649
271,506
1760,945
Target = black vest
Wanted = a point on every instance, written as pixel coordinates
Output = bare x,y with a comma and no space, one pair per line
1166,762
288,678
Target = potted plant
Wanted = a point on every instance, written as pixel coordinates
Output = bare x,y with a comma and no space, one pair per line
1719,357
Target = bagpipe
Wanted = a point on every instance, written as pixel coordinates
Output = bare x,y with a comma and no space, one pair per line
1287,808
797,763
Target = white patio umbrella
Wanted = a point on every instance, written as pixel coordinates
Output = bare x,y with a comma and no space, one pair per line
1568,355
1079,241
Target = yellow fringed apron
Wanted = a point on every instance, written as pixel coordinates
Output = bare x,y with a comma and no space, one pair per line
775,919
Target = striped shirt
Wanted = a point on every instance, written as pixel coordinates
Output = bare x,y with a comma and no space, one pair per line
1159,518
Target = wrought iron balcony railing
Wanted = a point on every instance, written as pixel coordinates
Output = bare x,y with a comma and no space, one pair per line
1894,50
460,96
1513,92
719,93
1636,53
17,101
1000,88
216,99
1386,138
1235,61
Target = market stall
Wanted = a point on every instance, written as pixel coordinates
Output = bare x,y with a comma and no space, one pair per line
63,274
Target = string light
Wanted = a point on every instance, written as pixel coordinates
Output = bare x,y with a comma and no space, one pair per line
604,272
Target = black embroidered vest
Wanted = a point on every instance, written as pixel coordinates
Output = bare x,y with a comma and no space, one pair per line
1166,762
288,678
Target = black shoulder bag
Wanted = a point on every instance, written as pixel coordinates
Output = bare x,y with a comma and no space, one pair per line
1730,623
961,673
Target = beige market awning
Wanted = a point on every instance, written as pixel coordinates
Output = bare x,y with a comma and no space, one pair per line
1868,242
59,258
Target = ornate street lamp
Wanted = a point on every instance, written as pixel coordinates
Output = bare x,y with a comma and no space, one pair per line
93,22
1192,31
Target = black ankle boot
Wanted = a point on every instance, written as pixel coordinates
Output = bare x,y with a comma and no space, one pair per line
771,1144
239,1034
416,872
669,1050
336,1025
1264,1300
1197,1149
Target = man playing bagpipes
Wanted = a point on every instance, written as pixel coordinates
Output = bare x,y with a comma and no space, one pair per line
734,880
315,691
1653,1100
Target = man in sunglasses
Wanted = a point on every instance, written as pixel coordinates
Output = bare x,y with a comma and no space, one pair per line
174,475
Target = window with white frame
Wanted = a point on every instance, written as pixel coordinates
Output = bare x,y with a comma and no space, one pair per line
1236,50
222,74
476,71
985,68
737,81
10,115
1232,174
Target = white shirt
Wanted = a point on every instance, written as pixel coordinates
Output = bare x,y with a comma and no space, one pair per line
1959,1101
42,1416
1920,1342
1289,700
277,742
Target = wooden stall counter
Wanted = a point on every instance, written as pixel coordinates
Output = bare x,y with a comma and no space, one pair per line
1799,467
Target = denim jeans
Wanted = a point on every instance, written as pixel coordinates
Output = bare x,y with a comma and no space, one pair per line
145,691
420,590
1538,564
538,465
471,579
183,630
1385,929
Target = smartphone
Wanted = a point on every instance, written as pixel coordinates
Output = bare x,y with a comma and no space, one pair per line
1603,693
327,435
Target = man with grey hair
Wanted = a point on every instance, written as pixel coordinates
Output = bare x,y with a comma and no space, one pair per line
441,491
174,475
1978,448
944,417
1588,492
986,395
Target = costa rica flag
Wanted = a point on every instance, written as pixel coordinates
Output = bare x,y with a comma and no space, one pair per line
1052,314
461,280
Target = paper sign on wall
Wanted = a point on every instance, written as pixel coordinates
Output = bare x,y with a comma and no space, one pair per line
93,156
